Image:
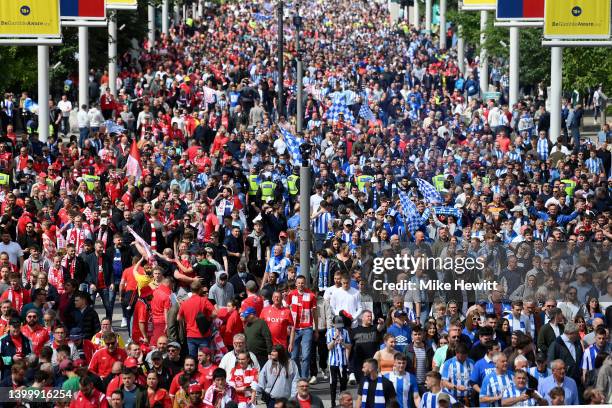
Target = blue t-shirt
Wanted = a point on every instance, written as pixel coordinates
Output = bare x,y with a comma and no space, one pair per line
402,336
481,369
129,398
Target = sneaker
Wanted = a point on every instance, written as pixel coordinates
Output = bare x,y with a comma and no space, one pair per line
325,376
352,380
313,380
124,322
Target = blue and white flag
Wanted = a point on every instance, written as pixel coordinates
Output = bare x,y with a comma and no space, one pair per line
336,109
259,17
293,145
429,192
366,113
411,216
112,127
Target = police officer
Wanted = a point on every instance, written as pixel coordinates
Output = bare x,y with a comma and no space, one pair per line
293,185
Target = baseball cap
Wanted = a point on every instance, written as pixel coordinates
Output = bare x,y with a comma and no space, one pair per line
76,334
174,344
195,388
338,322
130,362
156,355
400,313
541,357
247,312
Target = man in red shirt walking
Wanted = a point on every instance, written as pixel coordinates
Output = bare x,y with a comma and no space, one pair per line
197,307
38,335
303,305
253,299
279,320
160,304
102,361
88,396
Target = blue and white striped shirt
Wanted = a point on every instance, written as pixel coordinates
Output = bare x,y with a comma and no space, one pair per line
494,385
337,355
457,373
515,392
430,400
589,356
321,223
542,149
533,371
595,165
405,387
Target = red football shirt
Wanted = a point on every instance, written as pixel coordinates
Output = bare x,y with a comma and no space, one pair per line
302,308
190,308
279,320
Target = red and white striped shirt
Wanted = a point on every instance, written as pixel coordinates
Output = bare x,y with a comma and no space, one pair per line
243,377
302,306
77,236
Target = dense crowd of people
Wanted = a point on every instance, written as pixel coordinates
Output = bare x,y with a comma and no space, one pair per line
179,200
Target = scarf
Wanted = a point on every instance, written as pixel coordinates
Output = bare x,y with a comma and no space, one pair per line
69,264
257,244
379,396
56,278
153,234
323,274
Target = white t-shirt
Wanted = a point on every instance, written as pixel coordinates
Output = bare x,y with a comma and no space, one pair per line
13,250
65,107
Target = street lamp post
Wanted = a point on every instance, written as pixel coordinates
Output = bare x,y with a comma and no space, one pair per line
281,68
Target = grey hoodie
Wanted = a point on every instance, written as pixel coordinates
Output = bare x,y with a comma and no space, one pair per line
221,294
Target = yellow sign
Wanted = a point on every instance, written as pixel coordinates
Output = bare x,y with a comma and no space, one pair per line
30,18
479,4
121,4
582,19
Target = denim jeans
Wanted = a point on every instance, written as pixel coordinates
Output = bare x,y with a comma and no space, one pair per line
303,338
112,296
83,134
108,307
193,344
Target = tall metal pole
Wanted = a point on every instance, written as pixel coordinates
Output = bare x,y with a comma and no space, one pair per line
305,221
556,69
83,66
177,14
112,52
200,9
281,68
417,14
194,10
151,25
442,24
428,16
43,93
165,17
300,72
484,58
460,47
514,65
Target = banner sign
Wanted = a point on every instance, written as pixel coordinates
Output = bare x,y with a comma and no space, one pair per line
527,10
121,4
83,9
30,18
577,19
479,4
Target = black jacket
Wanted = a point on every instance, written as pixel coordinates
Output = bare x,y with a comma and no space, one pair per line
80,271
559,351
8,350
88,321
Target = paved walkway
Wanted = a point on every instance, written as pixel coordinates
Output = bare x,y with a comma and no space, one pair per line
321,389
